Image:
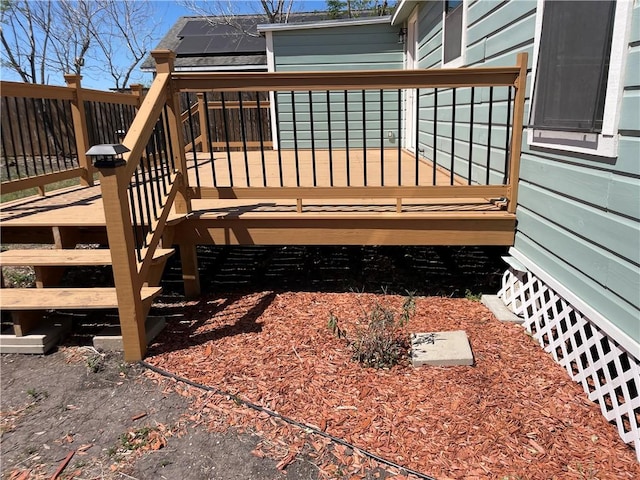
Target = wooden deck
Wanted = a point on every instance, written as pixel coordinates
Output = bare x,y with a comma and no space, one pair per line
266,216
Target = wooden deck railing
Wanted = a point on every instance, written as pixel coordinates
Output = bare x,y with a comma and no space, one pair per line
46,131
464,122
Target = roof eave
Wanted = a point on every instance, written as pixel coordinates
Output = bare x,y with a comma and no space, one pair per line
403,11
275,27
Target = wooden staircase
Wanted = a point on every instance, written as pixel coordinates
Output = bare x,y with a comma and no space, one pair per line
27,305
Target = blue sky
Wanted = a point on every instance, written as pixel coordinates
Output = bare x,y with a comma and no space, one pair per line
167,12
170,11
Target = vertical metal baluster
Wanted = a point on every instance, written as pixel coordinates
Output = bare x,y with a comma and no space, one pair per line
145,185
453,138
134,219
100,123
382,137
68,128
159,159
24,150
399,139
12,137
45,112
33,157
55,146
489,135
417,127
295,136
226,137
140,206
346,134
148,177
278,137
364,136
313,140
211,136
171,162
260,137
507,139
38,126
159,155
4,147
165,140
329,138
435,135
113,127
193,140
243,136
470,171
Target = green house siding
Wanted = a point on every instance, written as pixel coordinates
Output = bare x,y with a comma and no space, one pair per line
578,215
359,47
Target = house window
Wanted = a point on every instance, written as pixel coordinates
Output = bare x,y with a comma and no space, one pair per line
578,73
453,32
573,66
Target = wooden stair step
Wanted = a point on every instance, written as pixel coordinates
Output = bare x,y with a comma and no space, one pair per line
65,298
66,257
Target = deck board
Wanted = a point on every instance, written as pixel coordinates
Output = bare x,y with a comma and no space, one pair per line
330,168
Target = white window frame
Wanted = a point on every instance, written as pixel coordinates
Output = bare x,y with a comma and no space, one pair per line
461,60
605,143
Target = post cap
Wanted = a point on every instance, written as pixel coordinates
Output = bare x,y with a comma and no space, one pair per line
107,149
109,155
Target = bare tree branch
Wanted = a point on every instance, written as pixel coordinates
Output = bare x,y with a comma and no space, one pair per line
39,38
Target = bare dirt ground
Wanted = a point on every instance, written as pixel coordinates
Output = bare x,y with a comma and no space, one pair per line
74,401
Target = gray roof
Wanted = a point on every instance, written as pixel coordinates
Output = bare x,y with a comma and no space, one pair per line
227,54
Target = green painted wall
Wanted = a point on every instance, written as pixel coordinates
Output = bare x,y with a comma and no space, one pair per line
360,47
578,215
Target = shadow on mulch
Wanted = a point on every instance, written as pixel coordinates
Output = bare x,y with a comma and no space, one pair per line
184,334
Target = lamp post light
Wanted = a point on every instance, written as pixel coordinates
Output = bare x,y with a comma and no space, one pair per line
402,36
108,155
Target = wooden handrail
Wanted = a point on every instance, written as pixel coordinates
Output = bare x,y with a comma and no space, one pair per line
346,80
142,126
53,92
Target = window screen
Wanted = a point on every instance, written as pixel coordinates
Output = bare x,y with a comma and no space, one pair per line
452,31
573,63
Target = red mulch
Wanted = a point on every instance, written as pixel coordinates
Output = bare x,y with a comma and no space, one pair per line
514,414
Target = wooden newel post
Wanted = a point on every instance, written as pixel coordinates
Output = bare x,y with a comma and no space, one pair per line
191,278
203,111
80,127
516,133
114,182
137,91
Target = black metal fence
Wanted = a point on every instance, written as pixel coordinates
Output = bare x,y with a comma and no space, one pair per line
37,137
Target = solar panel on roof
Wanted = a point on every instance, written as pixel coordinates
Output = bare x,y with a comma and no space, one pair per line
195,28
199,37
193,45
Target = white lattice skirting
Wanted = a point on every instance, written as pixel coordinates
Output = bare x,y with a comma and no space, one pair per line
609,374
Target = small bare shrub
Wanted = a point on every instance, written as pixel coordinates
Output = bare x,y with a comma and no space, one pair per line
384,341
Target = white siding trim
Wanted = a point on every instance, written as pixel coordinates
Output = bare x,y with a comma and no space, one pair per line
625,341
606,143
271,27
271,67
